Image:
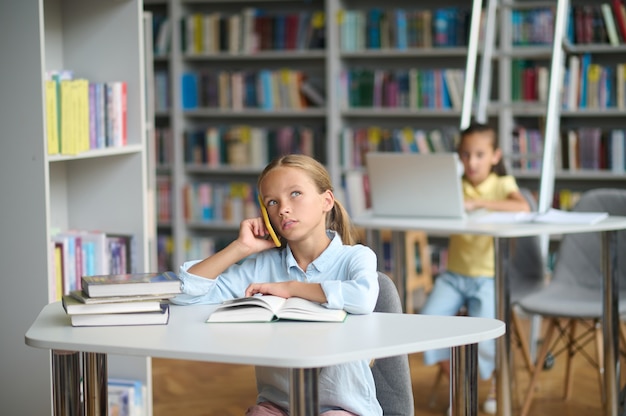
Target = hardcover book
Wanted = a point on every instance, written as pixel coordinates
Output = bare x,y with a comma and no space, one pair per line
160,317
73,306
268,308
131,284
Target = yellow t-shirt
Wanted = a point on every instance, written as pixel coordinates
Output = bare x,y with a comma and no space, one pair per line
472,255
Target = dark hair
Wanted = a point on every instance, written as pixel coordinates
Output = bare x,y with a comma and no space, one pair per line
499,168
337,219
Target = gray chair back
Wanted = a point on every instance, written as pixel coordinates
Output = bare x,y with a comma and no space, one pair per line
579,255
526,268
392,375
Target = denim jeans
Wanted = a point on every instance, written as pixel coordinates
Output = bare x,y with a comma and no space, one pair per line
450,292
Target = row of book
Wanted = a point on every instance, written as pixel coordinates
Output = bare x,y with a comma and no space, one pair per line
264,89
583,148
600,23
400,28
357,141
586,85
532,26
122,299
81,252
248,146
591,148
83,115
252,30
589,85
435,89
223,202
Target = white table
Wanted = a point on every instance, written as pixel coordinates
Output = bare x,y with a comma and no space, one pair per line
303,347
502,233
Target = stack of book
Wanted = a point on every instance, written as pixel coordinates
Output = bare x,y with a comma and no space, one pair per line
122,299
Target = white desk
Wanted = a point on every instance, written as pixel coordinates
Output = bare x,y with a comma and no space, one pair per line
501,234
303,347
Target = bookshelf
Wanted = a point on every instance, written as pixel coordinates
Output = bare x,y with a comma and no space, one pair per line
347,127
184,120
99,189
249,126
586,121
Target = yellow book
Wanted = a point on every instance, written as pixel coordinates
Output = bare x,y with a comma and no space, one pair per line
58,271
67,118
52,125
593,86
198,27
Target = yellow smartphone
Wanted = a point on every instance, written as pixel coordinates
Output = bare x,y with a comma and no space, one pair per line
268,225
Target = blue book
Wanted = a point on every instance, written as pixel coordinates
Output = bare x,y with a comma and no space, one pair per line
266,96
373,28
585,61
189,90
401,28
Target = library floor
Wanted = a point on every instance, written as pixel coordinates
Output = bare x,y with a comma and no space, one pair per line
193,388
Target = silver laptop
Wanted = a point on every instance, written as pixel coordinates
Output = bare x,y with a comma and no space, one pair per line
415,185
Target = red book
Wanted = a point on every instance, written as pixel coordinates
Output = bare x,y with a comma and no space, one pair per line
291,31
619,13
124,115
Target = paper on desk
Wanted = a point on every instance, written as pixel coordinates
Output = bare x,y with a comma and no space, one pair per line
552,216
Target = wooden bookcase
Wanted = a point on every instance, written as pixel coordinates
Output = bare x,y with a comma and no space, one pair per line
105,189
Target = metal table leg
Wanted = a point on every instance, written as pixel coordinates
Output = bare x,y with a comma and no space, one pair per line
303,394
464,380
610,322
95,383
503,313
66,383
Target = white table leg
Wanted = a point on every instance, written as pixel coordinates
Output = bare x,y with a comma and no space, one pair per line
303,394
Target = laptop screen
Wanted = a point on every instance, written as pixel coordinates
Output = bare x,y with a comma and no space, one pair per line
415,185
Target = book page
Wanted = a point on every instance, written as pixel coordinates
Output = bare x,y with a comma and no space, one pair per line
247,309
305,310
270,302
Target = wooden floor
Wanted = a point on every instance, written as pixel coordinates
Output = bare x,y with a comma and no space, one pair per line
205,389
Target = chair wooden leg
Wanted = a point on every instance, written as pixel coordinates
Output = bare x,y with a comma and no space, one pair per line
538,367
622,335
523,341
571,351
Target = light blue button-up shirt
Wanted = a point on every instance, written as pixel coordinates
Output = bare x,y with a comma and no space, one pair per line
349,279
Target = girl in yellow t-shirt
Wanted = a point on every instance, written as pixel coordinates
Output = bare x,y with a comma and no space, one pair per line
468,280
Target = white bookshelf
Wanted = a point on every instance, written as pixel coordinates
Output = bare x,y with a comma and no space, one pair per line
532,114
96,190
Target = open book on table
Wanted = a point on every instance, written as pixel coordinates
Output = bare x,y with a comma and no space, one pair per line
267,308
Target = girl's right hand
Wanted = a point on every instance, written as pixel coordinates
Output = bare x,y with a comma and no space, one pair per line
254,235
